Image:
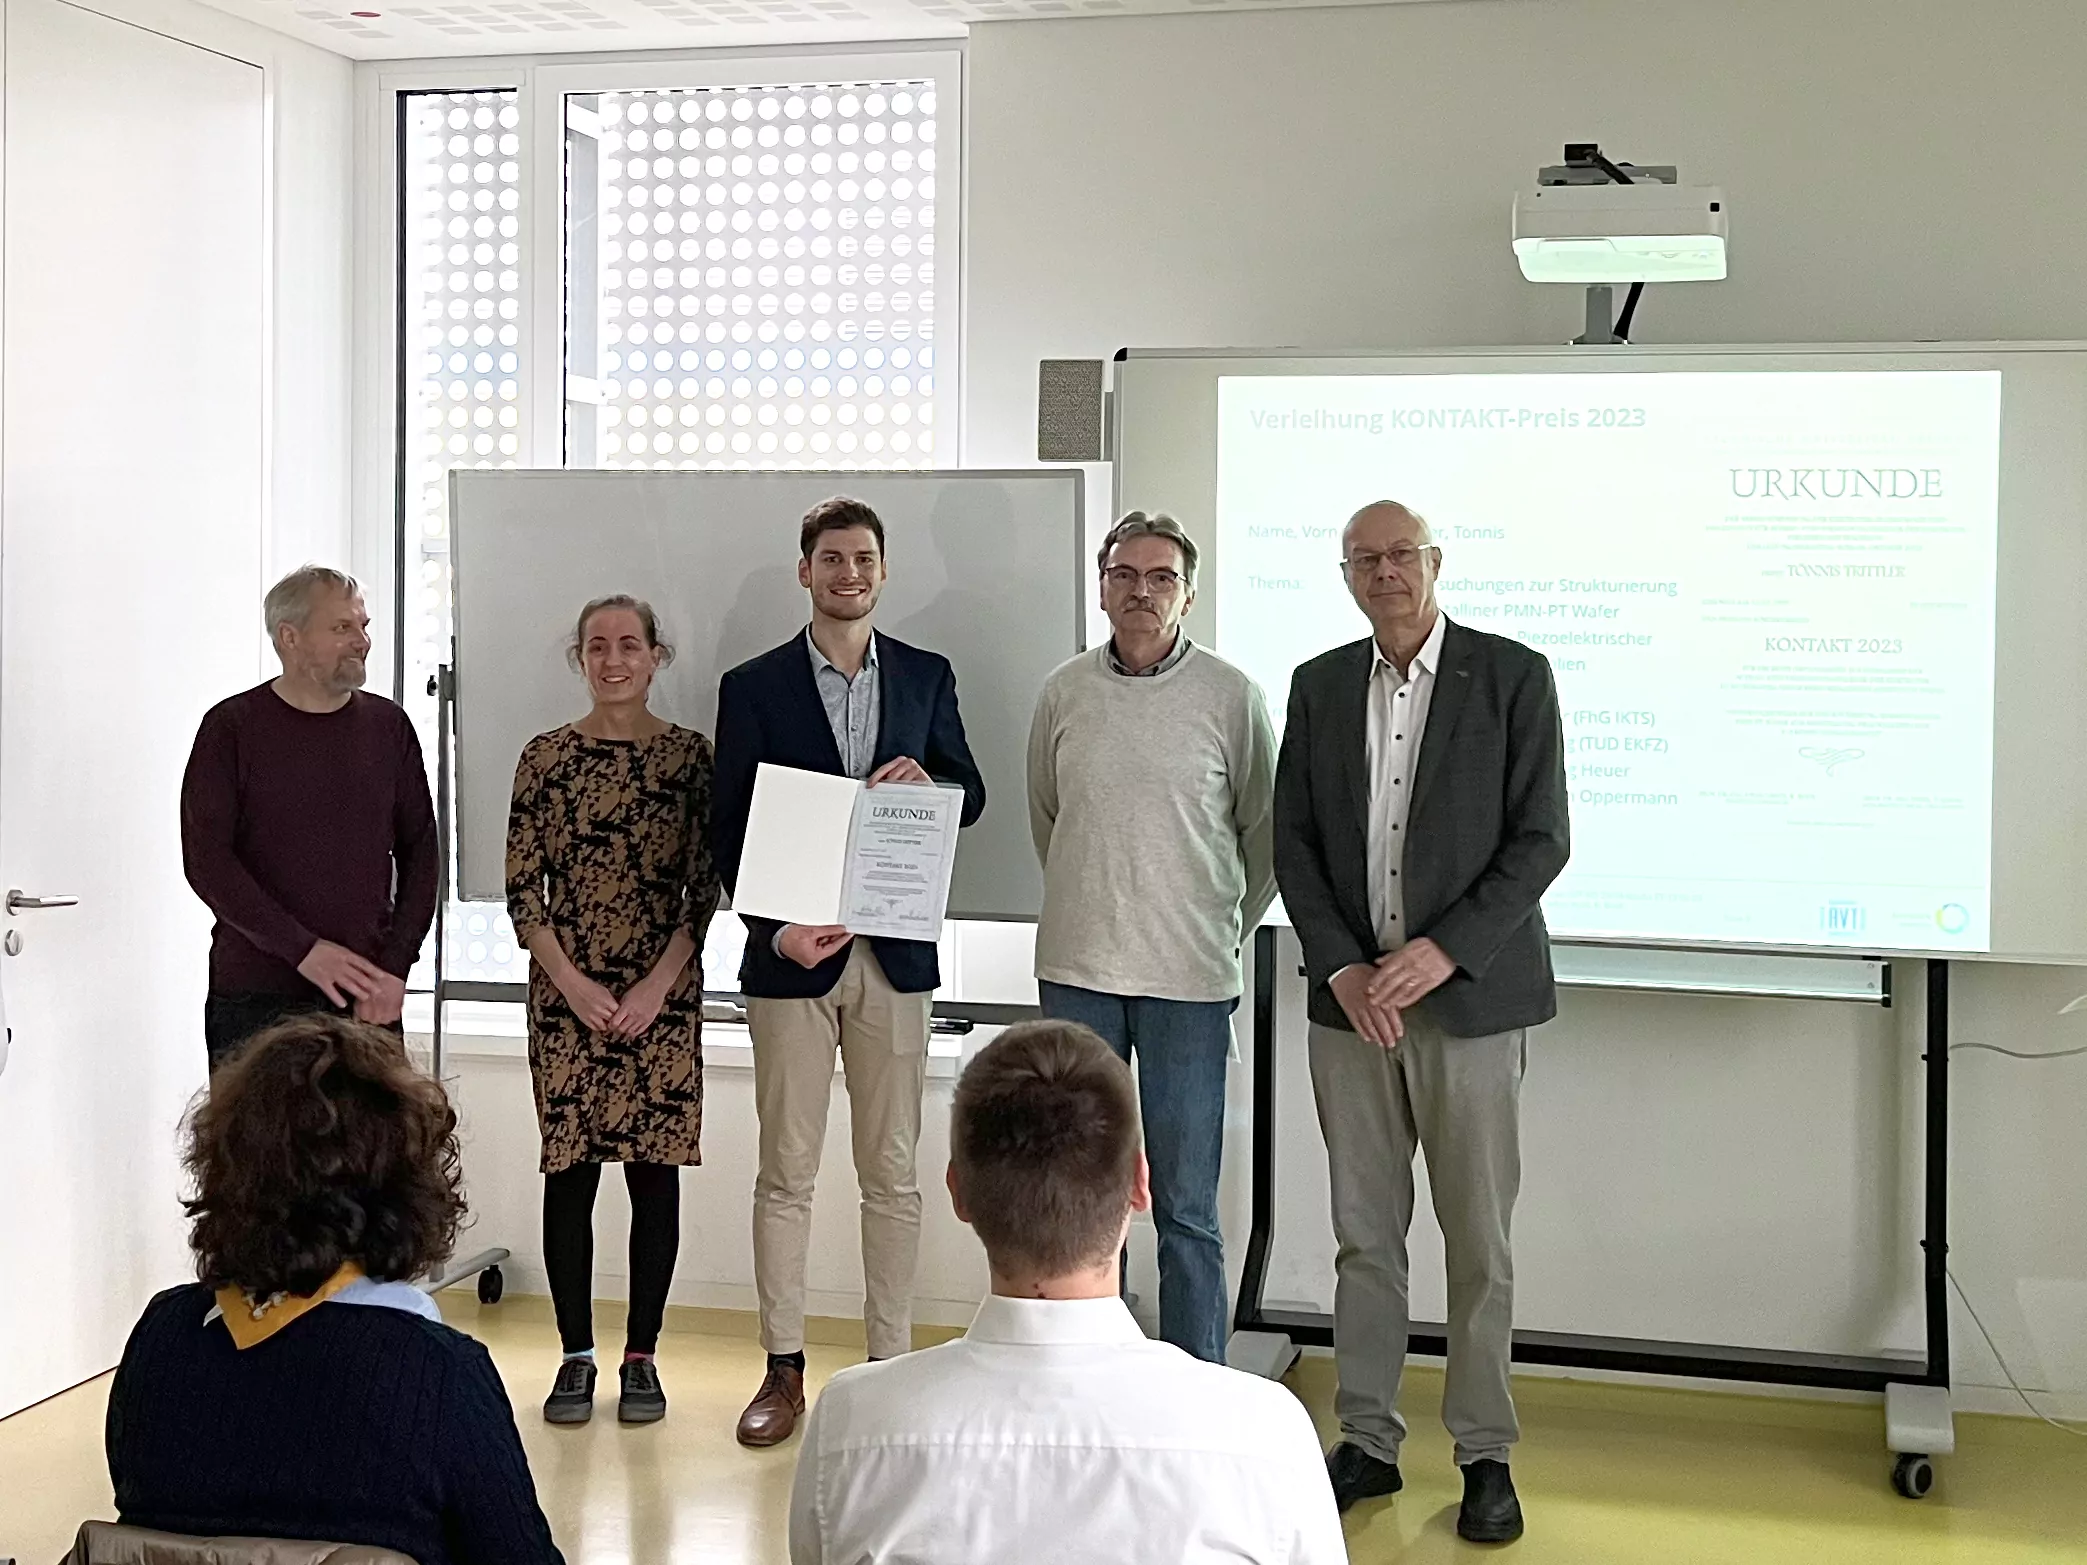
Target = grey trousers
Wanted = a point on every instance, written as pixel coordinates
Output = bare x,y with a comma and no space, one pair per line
1457,1100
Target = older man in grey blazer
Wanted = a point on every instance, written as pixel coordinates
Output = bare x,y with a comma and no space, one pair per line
1420,813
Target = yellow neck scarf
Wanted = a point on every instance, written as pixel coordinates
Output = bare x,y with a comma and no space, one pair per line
252,1320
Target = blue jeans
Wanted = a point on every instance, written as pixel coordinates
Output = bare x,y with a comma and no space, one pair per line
1181,1048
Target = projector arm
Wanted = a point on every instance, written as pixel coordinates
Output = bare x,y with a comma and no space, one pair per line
1585,165
1587,152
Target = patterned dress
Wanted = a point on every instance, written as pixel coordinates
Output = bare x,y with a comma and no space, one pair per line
608,845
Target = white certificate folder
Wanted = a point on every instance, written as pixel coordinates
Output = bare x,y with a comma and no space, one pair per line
827,850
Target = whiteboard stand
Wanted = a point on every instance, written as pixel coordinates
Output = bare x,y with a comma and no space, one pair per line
485,1264
1918,1420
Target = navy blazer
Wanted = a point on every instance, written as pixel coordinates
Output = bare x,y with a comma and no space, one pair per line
768,709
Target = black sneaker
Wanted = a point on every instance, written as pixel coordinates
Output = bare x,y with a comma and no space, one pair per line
1491,1513
1357,1475
642,1402
572,1394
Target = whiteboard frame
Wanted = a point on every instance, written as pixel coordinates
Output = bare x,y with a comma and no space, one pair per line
374,502
1595,360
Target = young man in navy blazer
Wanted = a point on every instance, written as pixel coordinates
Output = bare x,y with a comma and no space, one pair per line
837,698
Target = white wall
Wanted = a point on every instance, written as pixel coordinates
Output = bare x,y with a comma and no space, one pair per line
134,229
314,145
269,390
1342,178
311,127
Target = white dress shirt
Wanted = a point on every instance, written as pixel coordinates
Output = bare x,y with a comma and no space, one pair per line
1398,716
1054,1430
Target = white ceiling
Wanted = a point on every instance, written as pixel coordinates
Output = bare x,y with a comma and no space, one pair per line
426,29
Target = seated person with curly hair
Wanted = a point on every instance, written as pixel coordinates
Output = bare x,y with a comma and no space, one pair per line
304,1388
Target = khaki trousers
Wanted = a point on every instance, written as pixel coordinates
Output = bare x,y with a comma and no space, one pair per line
1457,1100
882,1036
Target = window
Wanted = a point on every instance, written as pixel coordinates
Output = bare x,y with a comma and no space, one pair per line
750,269
461,368
751,276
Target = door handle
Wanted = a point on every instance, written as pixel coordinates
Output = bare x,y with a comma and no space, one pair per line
20,902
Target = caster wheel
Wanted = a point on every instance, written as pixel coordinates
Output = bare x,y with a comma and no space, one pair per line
491,1285
1913,1476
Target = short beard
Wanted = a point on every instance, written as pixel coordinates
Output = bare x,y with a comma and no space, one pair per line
344,682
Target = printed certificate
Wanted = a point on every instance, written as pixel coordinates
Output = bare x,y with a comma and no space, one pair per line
826,850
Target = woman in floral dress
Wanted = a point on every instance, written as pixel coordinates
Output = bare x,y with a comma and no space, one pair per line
610,887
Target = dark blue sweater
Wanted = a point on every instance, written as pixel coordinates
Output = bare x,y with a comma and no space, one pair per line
353,1424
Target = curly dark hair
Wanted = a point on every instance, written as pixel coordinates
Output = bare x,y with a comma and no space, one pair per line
320,1143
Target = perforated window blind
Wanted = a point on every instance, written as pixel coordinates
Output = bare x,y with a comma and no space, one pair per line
752,277
462,380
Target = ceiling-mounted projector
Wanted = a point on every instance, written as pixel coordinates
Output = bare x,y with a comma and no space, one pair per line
1581,225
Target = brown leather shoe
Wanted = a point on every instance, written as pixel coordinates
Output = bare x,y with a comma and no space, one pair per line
771,1418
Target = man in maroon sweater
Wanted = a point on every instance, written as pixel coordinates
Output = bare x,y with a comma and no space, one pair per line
307,829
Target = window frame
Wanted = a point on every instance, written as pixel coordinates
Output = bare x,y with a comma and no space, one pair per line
378,520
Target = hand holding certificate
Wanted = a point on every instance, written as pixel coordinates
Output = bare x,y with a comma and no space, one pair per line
825,850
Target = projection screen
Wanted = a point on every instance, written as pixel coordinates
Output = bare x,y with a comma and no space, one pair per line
1814,612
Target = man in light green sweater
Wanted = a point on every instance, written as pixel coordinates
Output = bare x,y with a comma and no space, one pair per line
1151,792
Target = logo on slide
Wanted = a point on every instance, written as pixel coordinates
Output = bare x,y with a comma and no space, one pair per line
1827,759
1843,918
1952,918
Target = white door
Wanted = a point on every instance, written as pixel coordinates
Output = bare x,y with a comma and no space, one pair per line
132,326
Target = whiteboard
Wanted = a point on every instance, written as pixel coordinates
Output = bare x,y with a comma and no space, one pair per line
1166,408
985,569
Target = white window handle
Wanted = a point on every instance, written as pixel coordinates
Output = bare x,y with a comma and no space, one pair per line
20,902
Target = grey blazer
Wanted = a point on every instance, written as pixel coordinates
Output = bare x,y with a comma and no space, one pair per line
1486,835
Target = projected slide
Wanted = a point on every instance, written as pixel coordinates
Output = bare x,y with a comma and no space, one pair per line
1768,599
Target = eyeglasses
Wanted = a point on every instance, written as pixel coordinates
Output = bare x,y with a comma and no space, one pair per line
1364,562
1160,584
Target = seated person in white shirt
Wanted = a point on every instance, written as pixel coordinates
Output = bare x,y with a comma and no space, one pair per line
1053,1429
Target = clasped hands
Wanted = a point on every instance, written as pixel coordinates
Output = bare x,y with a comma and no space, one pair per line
355,983
599,1009
810,944
1372,995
